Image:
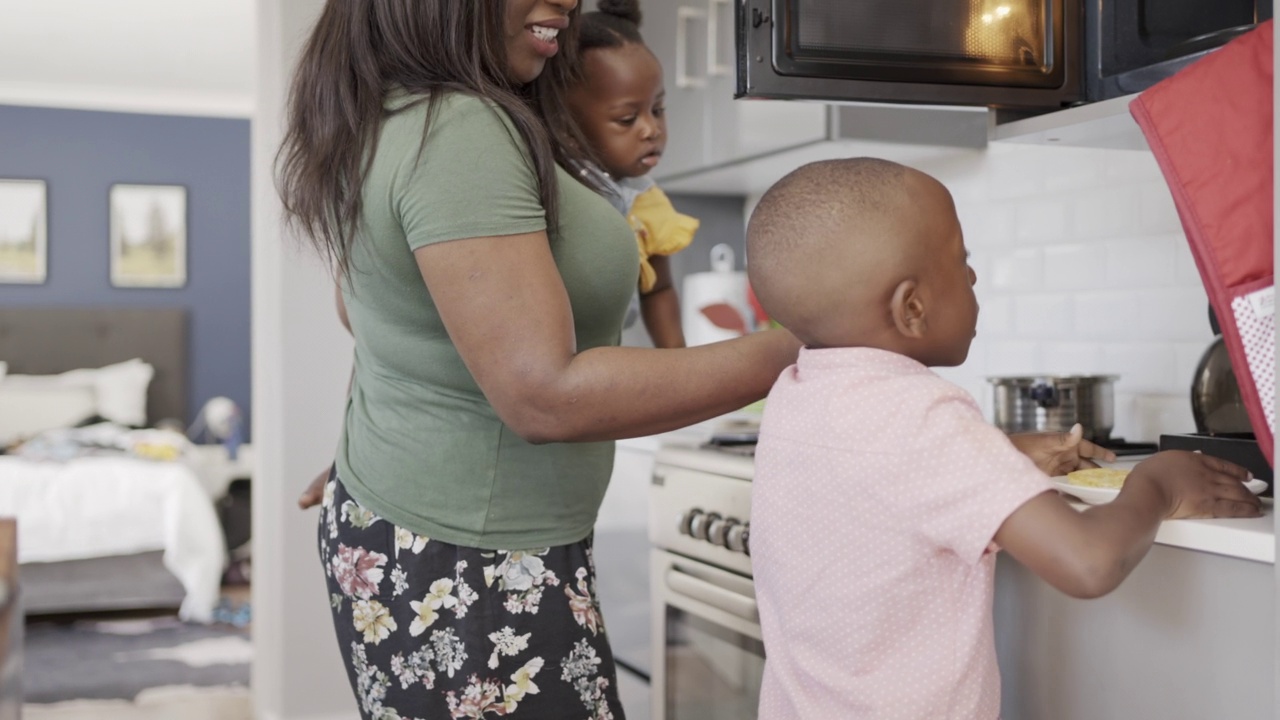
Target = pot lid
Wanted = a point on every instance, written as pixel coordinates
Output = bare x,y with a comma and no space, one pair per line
1036,379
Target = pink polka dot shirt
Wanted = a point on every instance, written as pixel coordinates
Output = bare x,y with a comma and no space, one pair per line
878,489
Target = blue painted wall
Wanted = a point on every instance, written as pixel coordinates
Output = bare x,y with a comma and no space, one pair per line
79,155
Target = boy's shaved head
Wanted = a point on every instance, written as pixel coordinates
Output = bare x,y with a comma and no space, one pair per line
830,243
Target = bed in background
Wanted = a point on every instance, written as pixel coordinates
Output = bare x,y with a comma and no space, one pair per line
128,574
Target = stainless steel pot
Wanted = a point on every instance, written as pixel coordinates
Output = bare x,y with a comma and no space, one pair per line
1053,403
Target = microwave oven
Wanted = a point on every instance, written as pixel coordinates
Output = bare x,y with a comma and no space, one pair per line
1016,54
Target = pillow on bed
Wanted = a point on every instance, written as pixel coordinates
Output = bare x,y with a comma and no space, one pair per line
117,393
121,390
27,409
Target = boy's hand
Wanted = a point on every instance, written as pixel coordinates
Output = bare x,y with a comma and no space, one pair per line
314,493
1060,453
1196,485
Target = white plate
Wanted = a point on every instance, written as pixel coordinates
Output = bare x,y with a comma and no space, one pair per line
1102,496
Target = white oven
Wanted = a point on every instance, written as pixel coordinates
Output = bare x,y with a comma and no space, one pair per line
708,654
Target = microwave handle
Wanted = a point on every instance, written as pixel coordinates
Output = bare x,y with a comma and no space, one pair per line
683,79
713,595
714,66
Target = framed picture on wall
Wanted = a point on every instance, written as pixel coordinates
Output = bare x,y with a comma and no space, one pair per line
24,235
148,236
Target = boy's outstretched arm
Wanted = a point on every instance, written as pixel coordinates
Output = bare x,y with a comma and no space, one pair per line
1087,554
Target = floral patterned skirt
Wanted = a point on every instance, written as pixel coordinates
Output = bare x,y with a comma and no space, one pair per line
431,630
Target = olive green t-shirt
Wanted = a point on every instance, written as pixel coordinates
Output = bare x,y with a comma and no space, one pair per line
421,446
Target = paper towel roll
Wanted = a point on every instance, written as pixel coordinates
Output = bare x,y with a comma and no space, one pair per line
713,305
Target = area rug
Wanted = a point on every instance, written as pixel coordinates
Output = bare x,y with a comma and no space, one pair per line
171,703
119,659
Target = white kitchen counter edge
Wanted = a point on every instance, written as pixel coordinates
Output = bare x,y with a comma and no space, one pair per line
1247,539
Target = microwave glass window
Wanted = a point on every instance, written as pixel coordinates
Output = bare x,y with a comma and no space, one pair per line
999,33
712,672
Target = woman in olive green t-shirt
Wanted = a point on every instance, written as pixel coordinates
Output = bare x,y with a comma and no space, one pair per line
485,288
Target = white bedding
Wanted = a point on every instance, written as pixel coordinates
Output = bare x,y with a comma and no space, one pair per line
103,506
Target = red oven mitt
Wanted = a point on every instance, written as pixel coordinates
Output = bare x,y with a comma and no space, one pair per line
1210,127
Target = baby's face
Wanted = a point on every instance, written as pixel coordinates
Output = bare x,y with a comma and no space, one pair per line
619,107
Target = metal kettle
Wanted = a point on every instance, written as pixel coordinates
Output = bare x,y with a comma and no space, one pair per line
1216,403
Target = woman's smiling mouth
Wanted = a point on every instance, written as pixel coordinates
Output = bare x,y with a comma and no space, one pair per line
544,36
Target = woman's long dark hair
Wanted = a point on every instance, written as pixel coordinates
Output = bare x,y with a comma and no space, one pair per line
361,49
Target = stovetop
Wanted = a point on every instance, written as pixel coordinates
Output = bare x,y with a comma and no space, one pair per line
1119,446
1122,448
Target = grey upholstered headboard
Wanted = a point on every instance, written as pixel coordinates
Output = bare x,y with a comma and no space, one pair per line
44,340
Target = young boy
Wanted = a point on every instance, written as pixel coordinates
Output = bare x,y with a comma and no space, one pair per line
881,495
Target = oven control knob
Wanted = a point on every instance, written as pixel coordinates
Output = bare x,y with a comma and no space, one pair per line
736,538
685,524
718,533
701,523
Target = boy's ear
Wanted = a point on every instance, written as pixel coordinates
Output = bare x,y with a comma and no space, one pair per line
907,308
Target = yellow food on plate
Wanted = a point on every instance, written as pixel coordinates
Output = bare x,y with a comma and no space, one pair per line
1098,477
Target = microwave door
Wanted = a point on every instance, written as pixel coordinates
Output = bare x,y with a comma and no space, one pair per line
1004,53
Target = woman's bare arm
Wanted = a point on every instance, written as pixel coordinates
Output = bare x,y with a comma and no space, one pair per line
506,308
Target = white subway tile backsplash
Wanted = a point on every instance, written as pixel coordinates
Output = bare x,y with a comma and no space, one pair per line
995,317
1072,358
1142,367
1106,212
1184,263
1082,269
1107,315
1013,357
1075,267
1042,221
1019,269
1012,173
1140,263
1154,415
1174,314
1072,176
986,224
1157,213
1042,316
1129,165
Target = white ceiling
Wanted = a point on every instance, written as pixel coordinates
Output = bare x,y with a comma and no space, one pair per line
145,55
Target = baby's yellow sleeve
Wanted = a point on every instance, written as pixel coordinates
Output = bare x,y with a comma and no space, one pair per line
660,230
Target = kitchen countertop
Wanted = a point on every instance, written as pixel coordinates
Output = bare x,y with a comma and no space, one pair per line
1247,539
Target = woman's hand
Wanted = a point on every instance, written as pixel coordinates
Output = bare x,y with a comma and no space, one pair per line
314,493
1057,453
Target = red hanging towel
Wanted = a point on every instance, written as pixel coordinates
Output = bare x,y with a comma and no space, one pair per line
1210,127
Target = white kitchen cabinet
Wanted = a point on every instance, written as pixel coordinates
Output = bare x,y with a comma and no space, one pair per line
707,128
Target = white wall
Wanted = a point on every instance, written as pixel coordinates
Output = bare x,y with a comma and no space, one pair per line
301,361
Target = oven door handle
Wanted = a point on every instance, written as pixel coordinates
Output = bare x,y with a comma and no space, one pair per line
714,595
